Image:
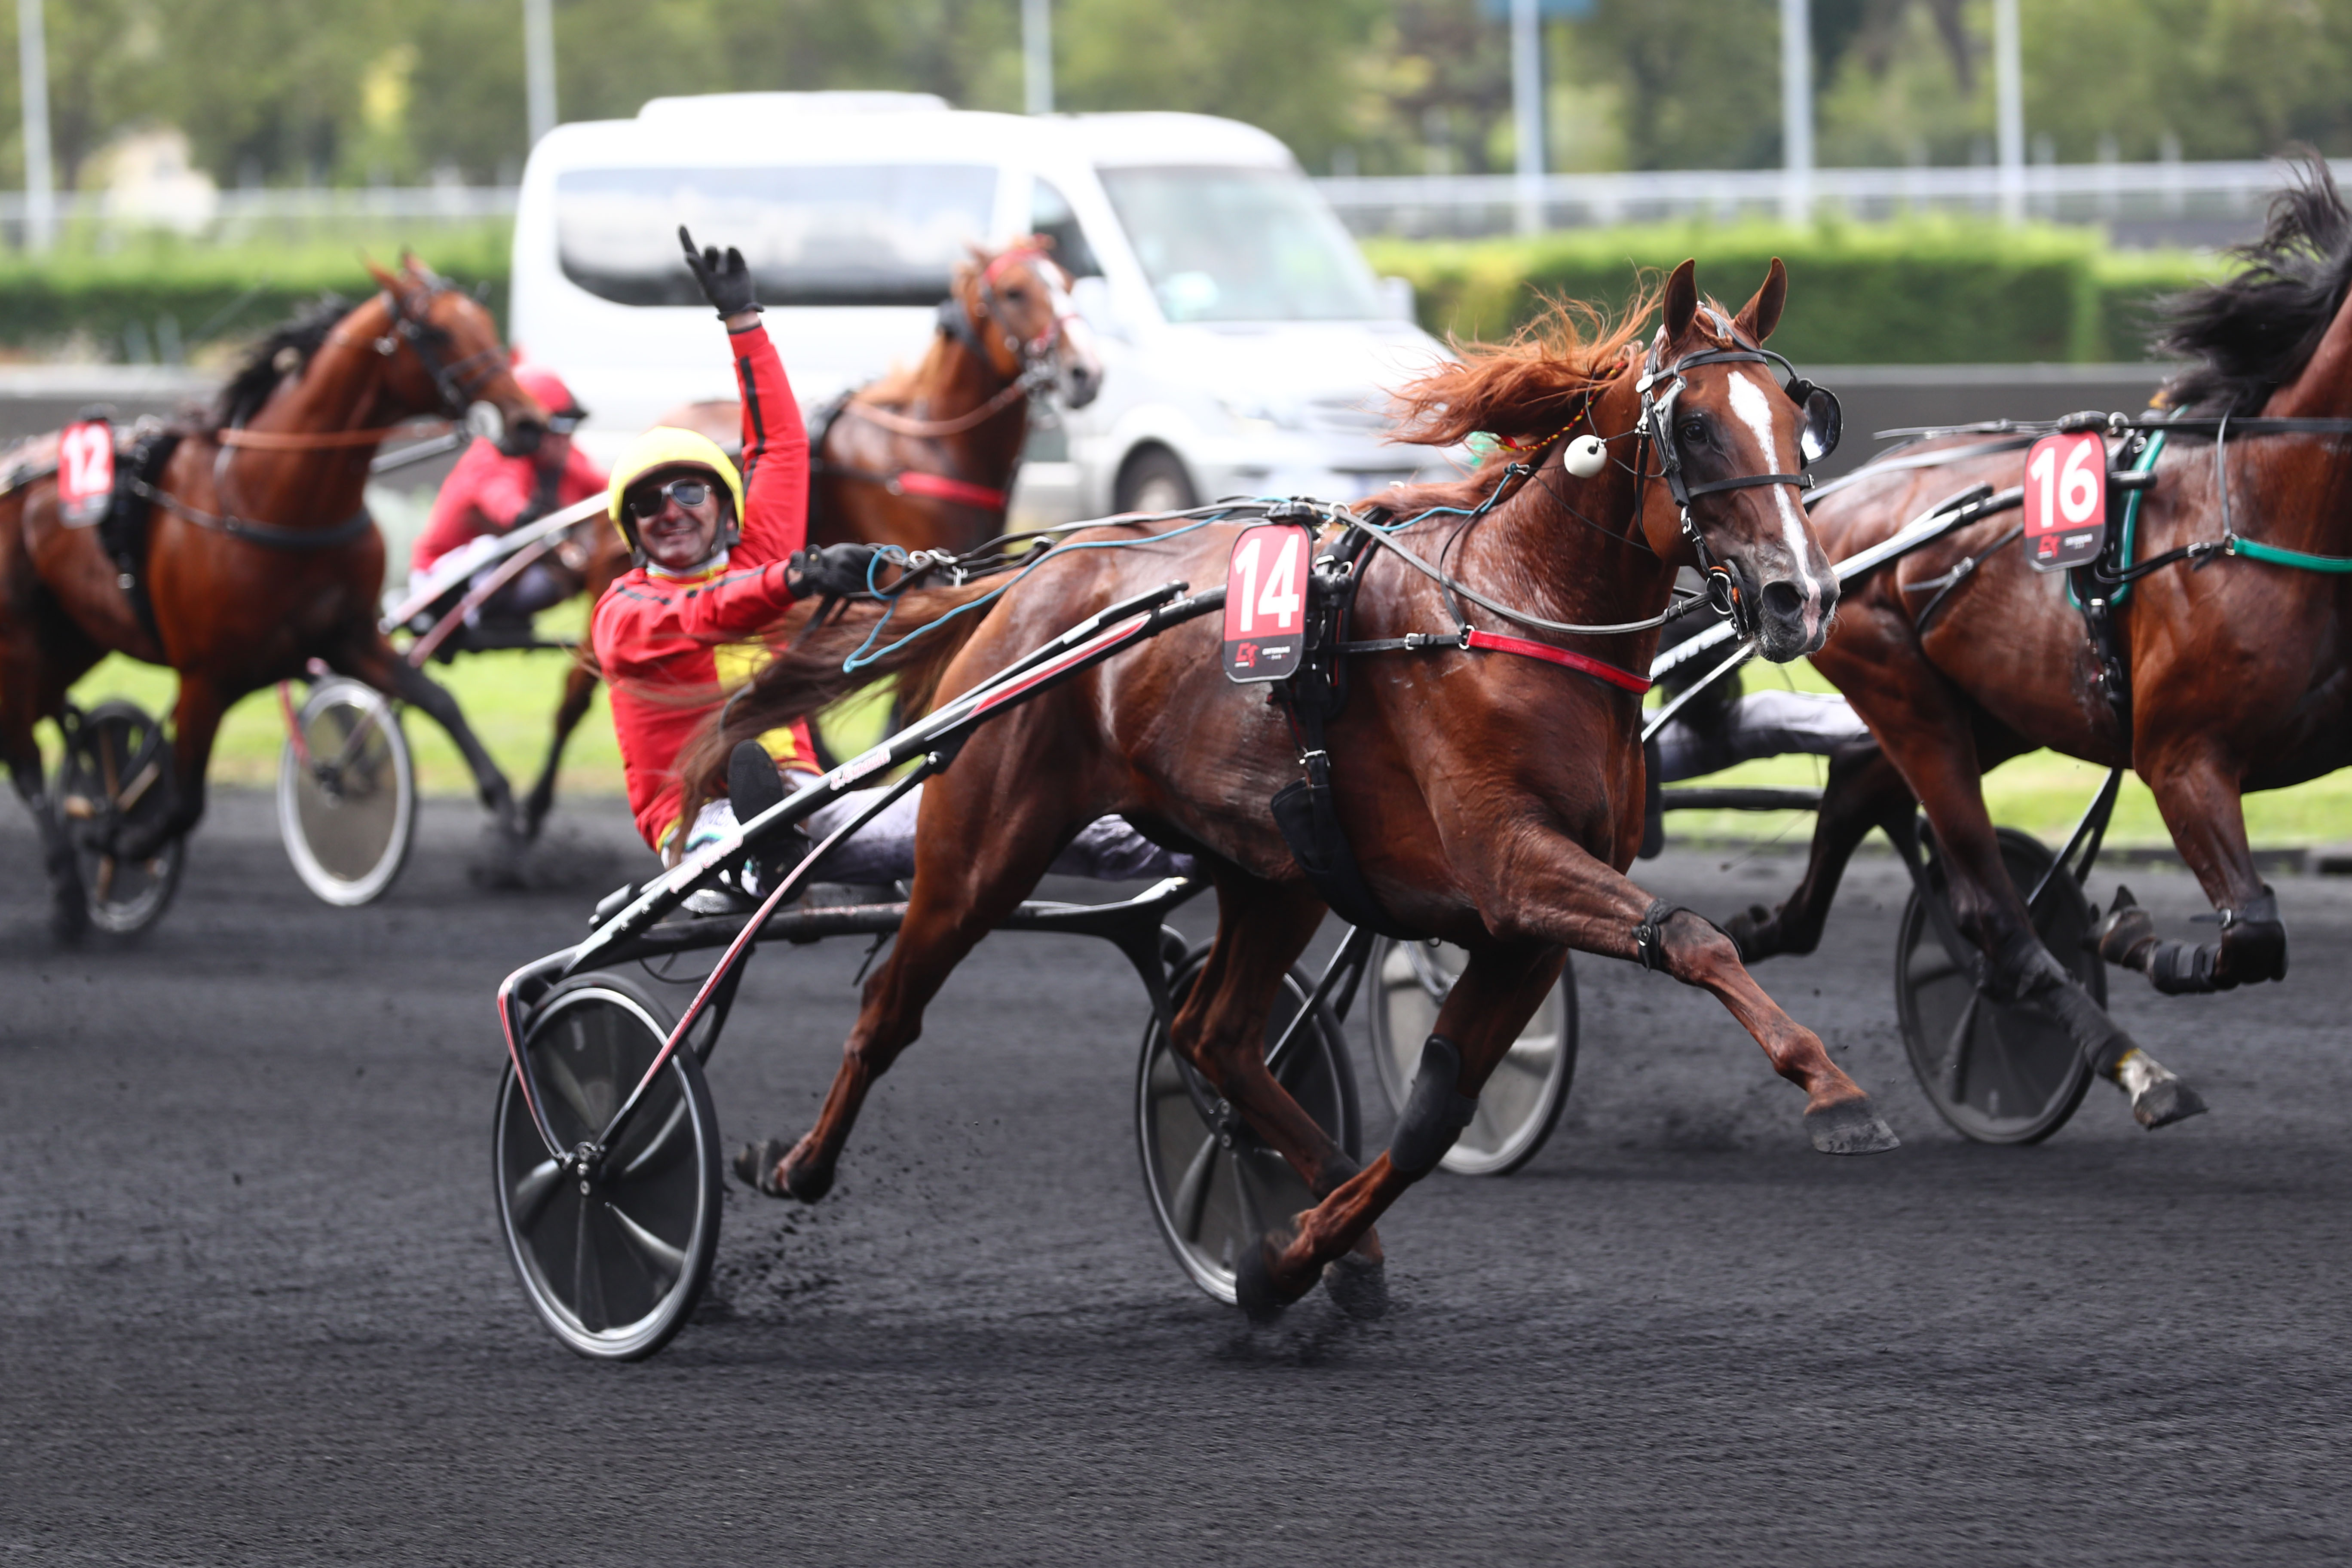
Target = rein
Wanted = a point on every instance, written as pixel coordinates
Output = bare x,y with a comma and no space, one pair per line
900,425
312,441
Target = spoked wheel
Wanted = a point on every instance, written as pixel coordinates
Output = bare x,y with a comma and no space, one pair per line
614,1261
2000,1072
1214,1187
1522,1099
116,780
346,794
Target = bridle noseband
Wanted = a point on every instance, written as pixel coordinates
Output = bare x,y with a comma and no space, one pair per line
1656,429
458,383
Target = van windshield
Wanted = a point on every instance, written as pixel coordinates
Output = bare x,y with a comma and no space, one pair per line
1241,244
853,234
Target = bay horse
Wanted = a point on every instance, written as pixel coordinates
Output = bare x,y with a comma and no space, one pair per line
259,552
1492,801
2235,674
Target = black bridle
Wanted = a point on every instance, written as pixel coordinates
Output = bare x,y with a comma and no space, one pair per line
1660,387
457,383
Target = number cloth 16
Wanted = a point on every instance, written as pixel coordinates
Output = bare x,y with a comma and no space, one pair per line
2065,500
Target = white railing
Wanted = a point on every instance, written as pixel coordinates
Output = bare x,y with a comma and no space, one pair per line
2155,193
1407,205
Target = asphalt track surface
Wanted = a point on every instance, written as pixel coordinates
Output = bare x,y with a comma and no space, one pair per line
253,1306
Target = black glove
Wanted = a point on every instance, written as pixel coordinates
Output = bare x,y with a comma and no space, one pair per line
833,571
726,281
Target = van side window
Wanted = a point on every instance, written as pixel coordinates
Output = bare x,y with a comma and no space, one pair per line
1050,215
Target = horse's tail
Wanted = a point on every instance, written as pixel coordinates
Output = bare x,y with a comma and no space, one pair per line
808,675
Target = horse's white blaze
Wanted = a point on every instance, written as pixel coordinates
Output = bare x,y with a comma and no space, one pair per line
1753,404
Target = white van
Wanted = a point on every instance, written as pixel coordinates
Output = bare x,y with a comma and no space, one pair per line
1248,347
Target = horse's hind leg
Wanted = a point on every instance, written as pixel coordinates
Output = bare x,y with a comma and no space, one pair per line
579,690
1863,791
1497,993
1261,928
374,660
2199,794
975,860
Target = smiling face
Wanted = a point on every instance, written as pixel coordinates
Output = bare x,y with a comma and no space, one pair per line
677,537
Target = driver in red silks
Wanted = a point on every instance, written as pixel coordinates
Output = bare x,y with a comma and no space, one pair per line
489,493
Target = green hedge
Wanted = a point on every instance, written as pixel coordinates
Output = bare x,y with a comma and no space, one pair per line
210,293
1924,292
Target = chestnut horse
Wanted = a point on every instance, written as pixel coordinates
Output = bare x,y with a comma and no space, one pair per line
2234,668
926,457
260,555
1493,800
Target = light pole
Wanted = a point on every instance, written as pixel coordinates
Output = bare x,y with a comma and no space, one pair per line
2008,109
1797,111
538,64
1526,110
33,65
1037,55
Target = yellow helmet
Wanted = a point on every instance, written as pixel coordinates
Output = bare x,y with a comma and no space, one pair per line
666,447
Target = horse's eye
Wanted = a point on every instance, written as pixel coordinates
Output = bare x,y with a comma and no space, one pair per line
1693,429
1016,294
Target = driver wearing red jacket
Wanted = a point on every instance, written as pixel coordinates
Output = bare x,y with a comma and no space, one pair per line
719,556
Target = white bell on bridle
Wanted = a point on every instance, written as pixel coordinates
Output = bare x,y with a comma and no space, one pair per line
1586,456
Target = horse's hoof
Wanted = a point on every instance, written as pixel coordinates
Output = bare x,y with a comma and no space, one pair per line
805,1184
1747,931
755,1165
1850,1127
1358,1286
2166,1101
2125,933
1254,1291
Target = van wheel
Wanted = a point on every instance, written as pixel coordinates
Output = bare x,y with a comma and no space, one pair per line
1155,480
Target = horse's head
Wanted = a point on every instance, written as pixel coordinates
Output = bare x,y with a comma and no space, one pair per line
445,358
1017,306
1722,447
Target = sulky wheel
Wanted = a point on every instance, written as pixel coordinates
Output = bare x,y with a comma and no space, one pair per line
1521,1100
346,793
613,1259
2000,1072
1214,1188
115,780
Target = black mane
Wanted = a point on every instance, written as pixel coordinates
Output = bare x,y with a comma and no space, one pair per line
2253,332
250,387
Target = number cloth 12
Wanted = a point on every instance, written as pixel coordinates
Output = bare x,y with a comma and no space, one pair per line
2065,500
85,470
1266,602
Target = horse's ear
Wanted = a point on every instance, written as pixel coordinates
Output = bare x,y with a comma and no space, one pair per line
1681,304
1761,314
391,282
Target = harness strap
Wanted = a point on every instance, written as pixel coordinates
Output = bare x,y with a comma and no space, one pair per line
1650,935
2254,549
318,440
938,487
270,535
1474,639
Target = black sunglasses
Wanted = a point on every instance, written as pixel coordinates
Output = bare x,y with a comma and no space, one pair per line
646,505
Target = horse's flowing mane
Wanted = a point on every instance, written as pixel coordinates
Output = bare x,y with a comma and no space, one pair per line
2253,332
258,376
1525,391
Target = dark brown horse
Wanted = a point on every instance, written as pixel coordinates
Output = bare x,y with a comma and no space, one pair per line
1493,799
2234,669
259,554
926,457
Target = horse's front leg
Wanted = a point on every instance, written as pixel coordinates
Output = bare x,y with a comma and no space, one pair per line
1863,791
1541,893
374,660
2197,790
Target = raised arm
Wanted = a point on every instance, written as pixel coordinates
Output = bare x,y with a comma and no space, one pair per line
775,448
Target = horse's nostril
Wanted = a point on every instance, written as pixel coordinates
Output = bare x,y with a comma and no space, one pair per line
1781,601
